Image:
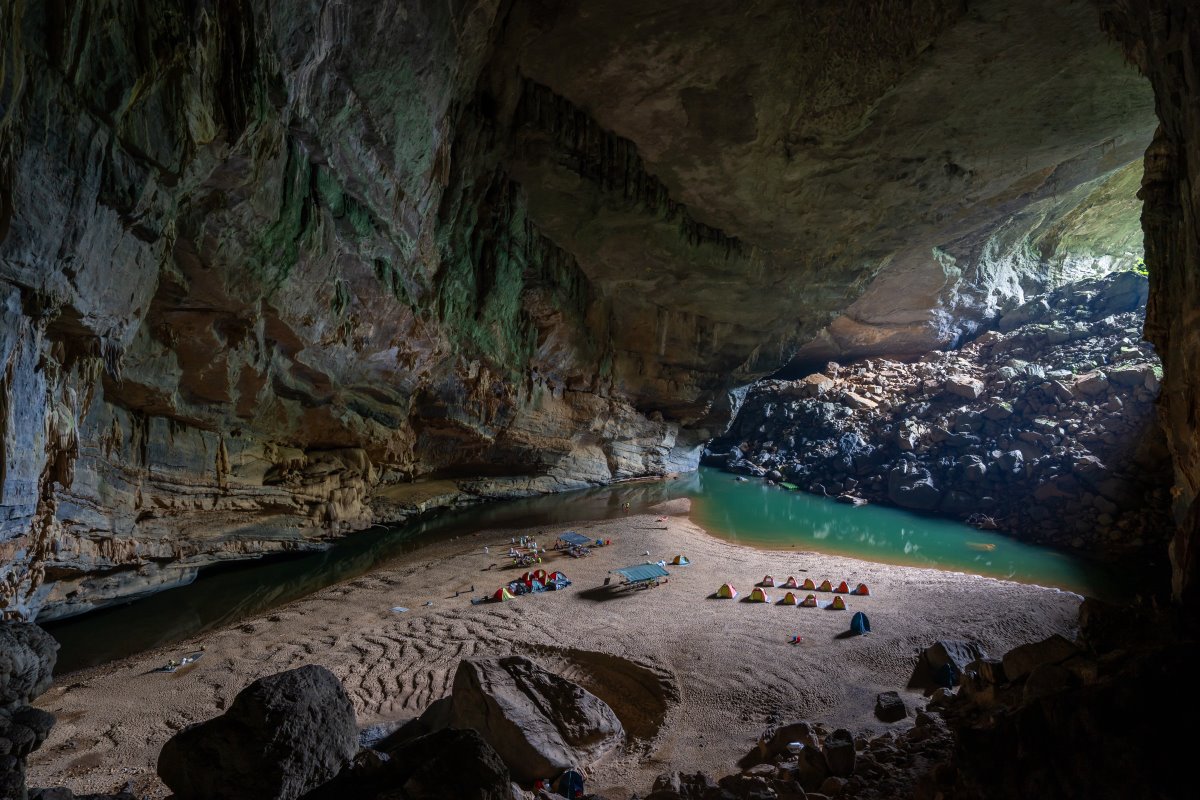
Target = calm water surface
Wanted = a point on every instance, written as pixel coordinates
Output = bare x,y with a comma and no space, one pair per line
751,513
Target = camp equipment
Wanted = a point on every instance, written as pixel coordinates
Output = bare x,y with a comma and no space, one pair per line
758,596
790,583
727,591
862,590
838,604
808,584
680,561
842,588
767,581
859,624
641,576
790,599
810,601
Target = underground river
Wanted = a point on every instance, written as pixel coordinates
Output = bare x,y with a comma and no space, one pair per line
748,512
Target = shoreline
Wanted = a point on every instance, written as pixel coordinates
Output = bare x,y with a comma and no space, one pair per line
725,669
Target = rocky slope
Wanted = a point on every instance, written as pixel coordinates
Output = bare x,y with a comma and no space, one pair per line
265,264
1044,428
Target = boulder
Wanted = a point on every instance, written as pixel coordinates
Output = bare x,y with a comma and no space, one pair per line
27,656
889,707
678,786
282,736
858,402
539,723
816,385
1020,661
911,486
1093,384
840,753
964,386
1130,375
948,656
22,730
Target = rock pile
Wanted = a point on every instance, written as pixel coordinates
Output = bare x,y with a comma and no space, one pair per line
27,655
1044,427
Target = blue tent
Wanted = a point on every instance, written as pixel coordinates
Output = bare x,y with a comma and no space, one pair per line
574,539
859,624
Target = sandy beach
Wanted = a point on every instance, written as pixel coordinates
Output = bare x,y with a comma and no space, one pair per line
694,679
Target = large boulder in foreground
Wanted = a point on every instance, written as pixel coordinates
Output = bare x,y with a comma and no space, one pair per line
539,723
27,656
284,735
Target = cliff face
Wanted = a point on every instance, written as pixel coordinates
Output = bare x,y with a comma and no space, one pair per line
266,265
1163,38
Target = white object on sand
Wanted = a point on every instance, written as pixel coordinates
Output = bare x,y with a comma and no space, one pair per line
399,609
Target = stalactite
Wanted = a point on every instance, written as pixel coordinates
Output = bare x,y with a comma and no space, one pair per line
613,163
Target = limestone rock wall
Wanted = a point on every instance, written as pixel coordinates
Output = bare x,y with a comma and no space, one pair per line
1163,38
267,265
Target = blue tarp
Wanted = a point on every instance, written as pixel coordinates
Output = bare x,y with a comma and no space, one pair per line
573,538
642,572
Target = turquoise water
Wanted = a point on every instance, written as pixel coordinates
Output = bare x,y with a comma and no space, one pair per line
750,512
754,513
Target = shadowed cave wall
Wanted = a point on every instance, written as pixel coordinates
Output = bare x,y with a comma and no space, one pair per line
274,271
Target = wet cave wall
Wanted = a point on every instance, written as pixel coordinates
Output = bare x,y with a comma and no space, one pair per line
275,271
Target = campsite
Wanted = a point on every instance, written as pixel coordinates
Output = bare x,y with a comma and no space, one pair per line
657,656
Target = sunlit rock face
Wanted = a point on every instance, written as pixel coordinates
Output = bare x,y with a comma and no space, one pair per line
264,264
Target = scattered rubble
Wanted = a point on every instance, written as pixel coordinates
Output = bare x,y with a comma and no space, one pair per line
1044,428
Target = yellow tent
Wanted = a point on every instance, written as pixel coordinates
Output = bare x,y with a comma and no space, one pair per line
838,604
810,601
825,586
759,596
727,591
808,584
680,561
790,599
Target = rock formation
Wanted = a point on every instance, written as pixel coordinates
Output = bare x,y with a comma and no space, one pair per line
282,736
27,655
1163,38
265,264
539,722
1044,427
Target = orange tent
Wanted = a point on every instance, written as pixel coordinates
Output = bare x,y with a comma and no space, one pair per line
842,588
862,589
825,586
838,604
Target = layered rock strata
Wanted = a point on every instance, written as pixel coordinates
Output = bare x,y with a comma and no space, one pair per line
265,265
1044,428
